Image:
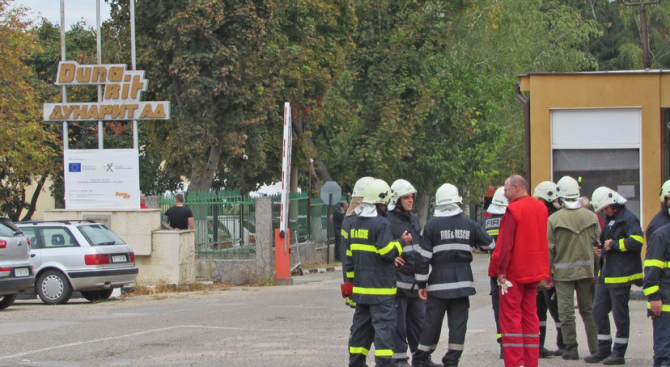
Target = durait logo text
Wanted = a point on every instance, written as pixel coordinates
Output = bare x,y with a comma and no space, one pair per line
74,167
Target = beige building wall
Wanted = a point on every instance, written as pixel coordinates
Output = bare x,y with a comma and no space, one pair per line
647,90
45,200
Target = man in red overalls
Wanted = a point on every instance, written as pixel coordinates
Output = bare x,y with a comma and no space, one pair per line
520,261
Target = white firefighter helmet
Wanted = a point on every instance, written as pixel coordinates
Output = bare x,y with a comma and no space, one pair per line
360,186
401,188
604,196
447,194
499,197
546,190
377,192
665,191
567,188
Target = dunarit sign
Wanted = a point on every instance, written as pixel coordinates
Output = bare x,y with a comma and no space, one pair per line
122,90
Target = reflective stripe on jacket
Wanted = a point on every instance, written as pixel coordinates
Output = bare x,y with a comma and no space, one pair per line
446,247
405,275
370,260
622,264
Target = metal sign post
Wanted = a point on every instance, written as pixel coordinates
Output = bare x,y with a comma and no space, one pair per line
331,193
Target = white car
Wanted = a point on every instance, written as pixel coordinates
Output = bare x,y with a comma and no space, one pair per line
79,256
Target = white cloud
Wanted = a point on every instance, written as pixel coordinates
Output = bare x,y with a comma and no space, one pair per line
75,10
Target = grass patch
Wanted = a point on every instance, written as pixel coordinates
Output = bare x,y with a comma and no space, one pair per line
164,288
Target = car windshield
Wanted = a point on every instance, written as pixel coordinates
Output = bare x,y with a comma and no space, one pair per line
99,235
7,228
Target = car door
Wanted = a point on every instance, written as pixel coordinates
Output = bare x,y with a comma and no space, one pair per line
60,248
36,244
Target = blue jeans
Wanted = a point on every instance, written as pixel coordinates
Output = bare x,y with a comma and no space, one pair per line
661,341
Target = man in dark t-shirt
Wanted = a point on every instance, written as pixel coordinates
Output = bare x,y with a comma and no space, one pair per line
178,216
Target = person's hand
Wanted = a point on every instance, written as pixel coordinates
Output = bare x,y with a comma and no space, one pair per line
549,283
607,245
399,261
656,307
598,251
502,278
407,237
423,294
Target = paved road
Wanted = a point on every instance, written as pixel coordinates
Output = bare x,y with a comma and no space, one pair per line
301,325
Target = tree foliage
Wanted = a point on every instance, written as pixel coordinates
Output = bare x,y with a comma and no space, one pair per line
24,153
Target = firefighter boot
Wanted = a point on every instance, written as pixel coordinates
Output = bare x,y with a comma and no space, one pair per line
401,363
614,360
426,363
571,353
598,357
545,353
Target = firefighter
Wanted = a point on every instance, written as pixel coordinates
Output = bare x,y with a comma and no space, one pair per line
663,216
492,227
657,279
446,247
410,308
571,232
547,192
620,248
356,199
371,271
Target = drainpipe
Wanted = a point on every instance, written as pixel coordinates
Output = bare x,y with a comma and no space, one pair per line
526,112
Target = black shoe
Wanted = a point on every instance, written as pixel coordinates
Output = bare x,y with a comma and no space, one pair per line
597,357
545,353
559,352
614,360
571,354
427,363
401,363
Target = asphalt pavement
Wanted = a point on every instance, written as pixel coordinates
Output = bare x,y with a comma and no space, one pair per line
305,324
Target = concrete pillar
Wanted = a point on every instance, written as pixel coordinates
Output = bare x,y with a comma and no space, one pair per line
265,267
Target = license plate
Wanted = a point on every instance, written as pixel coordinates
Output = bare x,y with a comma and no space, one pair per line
21,272
119,258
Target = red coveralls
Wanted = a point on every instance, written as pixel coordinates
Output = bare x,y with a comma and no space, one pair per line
522,254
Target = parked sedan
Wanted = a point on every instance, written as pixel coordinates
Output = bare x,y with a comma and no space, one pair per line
16,273
79,256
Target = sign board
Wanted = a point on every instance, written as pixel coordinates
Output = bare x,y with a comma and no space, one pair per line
331,187
121,98
102,179
286,169
102,218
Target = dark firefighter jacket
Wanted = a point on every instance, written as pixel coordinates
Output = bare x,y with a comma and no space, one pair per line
622,265
657,270
370,260
446,246
660,219
344,247
402,221
492,225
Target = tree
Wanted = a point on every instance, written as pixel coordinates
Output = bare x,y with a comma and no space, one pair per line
24,153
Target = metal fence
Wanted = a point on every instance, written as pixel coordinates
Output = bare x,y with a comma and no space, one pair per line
225,221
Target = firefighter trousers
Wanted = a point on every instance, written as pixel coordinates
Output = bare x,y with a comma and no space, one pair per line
565,291
547,301
372,323
520,325
410,312
613,300
661,341
495,304
457,319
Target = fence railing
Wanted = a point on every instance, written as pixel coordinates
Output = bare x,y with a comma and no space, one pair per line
225,221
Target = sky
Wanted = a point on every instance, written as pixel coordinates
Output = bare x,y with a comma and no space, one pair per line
75,10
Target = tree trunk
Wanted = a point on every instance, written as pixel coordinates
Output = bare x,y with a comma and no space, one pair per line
202,180
33,200
319,167
422,207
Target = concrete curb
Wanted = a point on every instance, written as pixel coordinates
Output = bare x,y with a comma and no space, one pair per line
321,270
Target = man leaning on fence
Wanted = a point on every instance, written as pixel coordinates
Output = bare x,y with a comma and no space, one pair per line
178,216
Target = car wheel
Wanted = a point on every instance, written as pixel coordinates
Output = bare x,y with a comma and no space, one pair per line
95,296
7,300
53,288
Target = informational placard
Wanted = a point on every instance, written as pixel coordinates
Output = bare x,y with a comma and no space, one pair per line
102,218
102,179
